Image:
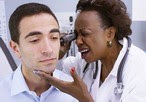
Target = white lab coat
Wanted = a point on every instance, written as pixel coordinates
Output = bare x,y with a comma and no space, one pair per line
133,76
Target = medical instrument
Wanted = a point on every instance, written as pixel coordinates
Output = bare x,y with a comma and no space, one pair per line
94,73
119,89
67,38
70,36
96,69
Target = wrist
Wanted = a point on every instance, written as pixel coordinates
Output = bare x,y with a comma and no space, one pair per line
86,98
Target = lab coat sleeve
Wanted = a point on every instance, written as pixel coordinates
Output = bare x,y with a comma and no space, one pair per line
136,94
135,80
72,61
59,64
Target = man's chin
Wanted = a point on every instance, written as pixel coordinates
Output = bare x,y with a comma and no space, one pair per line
48,70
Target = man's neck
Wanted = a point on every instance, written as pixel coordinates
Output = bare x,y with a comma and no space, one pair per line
35,83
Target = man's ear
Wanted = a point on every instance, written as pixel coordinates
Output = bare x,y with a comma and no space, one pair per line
15,48
110,33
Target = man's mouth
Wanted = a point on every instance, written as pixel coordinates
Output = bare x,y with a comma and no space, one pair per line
47,61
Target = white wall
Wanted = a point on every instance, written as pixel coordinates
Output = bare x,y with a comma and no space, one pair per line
55,5
138,27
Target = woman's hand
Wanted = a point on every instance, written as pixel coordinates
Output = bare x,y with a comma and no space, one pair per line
77,88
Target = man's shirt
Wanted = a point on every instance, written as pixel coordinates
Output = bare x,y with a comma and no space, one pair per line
14,89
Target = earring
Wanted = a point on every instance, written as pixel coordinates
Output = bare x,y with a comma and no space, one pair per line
109,44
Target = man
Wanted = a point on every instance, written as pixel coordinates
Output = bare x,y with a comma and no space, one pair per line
35,40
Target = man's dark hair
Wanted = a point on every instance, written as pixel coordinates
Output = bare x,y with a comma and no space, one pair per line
112,13
22,11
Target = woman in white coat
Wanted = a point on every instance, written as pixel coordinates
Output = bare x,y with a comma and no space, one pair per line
103,28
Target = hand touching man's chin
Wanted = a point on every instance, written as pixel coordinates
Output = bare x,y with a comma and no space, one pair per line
49,69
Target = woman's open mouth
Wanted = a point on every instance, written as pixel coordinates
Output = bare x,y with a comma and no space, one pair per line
84,53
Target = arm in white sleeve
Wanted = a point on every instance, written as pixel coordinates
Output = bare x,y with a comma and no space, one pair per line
66,64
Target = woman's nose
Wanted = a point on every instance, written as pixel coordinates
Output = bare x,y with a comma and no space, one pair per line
79,40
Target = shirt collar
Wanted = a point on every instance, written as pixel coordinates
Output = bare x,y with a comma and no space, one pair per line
56,74
18,82
124,42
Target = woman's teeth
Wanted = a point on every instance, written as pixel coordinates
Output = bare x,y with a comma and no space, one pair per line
84,51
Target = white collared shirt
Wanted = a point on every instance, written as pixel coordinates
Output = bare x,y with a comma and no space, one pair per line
133,76
15,89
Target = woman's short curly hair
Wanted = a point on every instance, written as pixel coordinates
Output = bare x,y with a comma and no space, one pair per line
112,13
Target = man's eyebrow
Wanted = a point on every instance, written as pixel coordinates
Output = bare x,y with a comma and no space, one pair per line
39,33
55,30
33,33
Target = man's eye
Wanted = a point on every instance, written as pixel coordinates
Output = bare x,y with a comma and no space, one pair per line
55,37
34,40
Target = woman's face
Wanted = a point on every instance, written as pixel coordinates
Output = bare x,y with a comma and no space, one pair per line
91,36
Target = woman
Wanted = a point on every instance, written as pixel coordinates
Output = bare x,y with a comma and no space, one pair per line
102,28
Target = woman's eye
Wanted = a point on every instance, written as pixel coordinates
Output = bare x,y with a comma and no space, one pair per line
84,33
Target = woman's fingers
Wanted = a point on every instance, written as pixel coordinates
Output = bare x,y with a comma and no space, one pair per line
77,88
52,80
74,74
77,80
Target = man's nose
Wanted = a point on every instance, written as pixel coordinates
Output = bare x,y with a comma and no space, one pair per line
46,47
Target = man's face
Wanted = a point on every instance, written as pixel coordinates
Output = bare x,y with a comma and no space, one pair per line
91,37
39,42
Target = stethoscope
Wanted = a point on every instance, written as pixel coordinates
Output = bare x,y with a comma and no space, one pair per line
119,87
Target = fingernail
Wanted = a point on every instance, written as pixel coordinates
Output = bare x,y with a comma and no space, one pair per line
73,69
36,72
